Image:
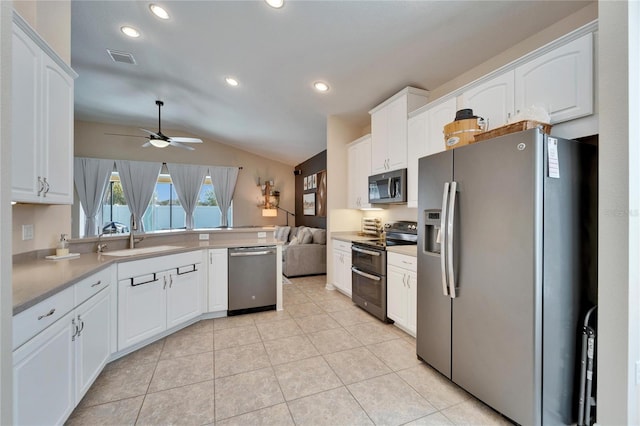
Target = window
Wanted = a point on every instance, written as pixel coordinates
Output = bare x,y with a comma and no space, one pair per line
164,212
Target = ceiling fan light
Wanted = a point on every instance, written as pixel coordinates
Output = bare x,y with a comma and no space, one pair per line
130,31
159,143
276,4
231,81
321,86
159,11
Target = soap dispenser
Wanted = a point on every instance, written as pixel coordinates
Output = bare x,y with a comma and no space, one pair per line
63,246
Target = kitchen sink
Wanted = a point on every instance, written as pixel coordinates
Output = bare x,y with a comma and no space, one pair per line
137,251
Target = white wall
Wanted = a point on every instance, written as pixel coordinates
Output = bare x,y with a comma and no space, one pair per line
6,299
619,203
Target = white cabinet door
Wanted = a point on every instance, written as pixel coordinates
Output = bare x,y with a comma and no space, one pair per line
492,100
561,81
439,116
412,301
397,295
43,376
359,154
342,271
93,340
57,133
397,134
183,295
218,280
25,128
416,148
42,133
379,134
141,310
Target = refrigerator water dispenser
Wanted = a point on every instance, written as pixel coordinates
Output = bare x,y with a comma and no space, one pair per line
432,231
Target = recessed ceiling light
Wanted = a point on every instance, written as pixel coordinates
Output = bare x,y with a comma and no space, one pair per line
231,81
276,4
130,31
321,86
158,11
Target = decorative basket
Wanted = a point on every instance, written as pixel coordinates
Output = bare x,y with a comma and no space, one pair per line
512,128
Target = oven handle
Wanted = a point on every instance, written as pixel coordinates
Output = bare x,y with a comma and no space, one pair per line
364,274
369,252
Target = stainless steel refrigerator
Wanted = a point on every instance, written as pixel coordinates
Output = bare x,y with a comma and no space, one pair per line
507,257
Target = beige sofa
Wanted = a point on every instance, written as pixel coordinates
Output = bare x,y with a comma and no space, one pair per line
304,252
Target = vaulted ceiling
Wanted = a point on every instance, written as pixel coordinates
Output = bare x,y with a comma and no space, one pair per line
365,50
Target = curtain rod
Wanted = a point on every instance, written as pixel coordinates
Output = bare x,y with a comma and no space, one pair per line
239,167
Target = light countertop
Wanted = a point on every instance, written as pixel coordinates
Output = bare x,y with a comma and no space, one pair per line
35,278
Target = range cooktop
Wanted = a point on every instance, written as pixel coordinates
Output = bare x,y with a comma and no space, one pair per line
396,234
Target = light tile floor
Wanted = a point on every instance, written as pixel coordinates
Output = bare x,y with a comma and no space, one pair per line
321,361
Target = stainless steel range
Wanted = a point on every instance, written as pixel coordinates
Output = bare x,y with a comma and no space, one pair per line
369,267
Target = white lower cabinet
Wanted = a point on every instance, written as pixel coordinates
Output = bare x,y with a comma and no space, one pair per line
218,280
53,370
43,376
402,291
93,340
157,294
342,266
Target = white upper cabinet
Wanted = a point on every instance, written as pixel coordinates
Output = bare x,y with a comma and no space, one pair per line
389,129
425,137
42,130
492,99
560,80
359,153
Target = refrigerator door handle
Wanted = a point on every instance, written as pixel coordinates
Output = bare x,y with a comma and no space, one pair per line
450,230
443,230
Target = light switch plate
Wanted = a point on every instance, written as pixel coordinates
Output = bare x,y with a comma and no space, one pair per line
204,237
27,232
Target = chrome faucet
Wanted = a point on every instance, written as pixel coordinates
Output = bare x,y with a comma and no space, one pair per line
101,247
133,227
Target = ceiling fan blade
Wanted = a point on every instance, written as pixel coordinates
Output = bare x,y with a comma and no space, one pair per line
179,145
130,136
184,140
146,144
152,133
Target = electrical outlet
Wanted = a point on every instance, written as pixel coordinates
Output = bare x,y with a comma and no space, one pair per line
262,235
203,237
27,232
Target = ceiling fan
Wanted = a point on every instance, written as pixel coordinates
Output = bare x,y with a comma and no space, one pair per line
160,140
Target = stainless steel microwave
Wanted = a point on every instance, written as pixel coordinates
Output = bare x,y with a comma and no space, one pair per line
388,188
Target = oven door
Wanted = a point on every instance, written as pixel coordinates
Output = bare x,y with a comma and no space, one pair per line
369,291
369,260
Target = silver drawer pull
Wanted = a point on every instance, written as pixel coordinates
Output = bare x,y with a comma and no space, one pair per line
96,284
48,314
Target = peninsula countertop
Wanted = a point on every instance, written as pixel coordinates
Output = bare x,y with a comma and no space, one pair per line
36,278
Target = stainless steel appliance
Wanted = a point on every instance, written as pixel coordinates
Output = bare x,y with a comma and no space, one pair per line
507,255
369,267
388,188
252,279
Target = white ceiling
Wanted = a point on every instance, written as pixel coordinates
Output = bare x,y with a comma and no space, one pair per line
365,50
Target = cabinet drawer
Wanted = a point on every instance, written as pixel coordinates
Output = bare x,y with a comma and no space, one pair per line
342,245
91,285
35,319
402,261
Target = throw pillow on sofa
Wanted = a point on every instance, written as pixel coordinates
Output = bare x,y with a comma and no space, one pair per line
306,237
282,233
319,236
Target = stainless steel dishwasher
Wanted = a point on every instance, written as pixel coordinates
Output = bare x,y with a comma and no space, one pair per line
252,279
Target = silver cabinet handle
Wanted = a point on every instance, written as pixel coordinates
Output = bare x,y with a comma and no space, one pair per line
210,258
364,274
80,322
170,280
369,252
96,284
443,228
75,329
164,287
40,186
450,230
48,314
46,187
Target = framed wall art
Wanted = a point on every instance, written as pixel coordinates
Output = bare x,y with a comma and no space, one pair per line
309,204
